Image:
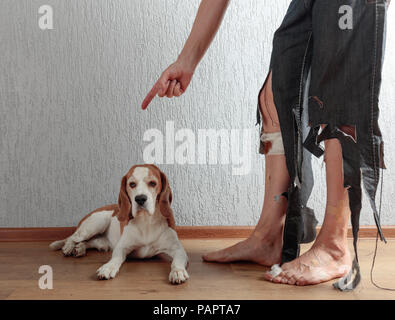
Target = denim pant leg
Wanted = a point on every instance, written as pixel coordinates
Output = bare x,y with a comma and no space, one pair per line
290,63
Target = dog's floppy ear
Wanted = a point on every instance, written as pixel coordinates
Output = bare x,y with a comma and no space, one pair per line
165,199
124,203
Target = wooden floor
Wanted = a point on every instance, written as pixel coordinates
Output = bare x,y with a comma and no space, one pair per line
74,278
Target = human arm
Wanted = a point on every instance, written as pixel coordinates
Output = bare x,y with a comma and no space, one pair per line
176,78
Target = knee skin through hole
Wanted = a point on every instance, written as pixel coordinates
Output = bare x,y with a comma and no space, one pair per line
268,110
271,124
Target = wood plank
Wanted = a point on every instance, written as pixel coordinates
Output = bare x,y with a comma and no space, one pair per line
184,232
74,278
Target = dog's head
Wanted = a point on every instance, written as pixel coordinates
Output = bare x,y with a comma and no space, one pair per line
144,189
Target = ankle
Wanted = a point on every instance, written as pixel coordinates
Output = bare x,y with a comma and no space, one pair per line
336,248
272,234
335,228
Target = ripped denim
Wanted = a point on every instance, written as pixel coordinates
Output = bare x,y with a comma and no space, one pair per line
323,73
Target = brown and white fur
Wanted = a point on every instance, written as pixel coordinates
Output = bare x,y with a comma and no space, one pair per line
141,224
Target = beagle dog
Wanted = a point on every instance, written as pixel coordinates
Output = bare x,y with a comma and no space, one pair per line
141,224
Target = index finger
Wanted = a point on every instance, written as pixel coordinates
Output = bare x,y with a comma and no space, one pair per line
153,92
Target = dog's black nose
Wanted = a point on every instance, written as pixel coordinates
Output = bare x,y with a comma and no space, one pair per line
140,199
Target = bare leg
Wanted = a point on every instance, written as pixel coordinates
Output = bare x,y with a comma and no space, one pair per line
329,257
265,244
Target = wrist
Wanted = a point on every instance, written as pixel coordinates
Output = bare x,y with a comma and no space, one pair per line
188,60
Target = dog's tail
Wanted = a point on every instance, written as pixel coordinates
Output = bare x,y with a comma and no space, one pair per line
56,245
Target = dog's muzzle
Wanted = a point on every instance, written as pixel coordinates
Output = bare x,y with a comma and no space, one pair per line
141,199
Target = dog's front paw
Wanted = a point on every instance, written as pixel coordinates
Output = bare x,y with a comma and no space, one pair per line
107,271
178,276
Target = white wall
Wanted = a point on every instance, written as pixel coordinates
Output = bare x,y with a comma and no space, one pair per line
70,123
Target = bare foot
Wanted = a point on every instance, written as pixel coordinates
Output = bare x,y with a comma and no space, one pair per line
256,249
264,246
319,264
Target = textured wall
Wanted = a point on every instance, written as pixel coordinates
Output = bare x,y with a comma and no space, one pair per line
70,123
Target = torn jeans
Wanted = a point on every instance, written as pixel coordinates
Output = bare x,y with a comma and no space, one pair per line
325,72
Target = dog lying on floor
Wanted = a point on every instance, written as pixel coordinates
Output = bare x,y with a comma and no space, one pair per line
141,224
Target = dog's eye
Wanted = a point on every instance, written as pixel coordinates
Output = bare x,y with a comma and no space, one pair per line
132,184
152,184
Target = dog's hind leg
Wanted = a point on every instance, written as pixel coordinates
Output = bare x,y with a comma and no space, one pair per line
95,224
79,249
58,244
100,243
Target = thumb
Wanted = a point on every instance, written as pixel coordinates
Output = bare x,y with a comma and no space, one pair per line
163,83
